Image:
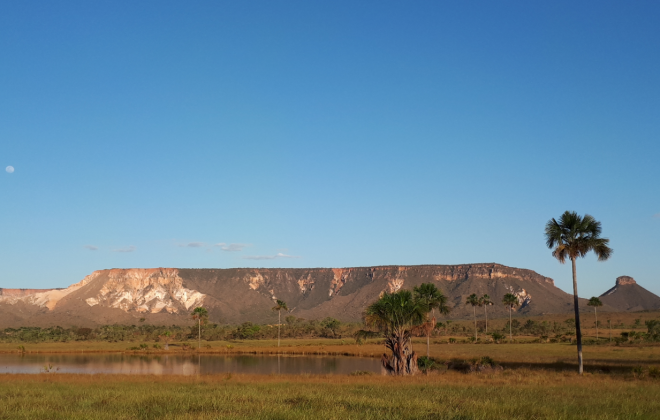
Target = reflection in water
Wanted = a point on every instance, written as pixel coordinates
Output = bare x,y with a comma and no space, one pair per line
185,364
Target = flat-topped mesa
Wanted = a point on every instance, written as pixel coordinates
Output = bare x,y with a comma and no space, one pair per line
622,280
167,295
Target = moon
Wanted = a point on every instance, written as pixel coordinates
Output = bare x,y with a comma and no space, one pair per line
9,169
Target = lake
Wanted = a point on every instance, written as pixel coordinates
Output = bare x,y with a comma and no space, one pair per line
185,364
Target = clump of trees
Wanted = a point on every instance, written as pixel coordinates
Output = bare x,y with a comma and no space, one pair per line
397,317
202,330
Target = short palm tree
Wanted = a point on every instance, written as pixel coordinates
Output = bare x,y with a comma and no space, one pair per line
571,237
485,301
474,301
281,306
396,315
200,315
510,300
595,302
430,295
166,338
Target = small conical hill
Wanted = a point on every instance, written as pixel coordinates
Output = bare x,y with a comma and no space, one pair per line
628,296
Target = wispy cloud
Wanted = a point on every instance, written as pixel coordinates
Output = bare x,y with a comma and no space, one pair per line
126,249
656,216
231,247
269,257
193,245
91,247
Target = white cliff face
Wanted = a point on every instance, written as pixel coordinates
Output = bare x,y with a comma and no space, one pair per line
50,298
340,277
523,297
147,291
140,290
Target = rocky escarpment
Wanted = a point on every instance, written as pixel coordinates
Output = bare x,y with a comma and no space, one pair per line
167,295
245,294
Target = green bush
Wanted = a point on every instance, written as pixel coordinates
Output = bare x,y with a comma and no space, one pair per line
426,364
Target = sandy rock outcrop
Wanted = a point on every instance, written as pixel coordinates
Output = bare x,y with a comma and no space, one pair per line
622,280
146,290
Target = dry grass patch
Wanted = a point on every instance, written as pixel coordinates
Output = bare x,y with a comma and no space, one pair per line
519,394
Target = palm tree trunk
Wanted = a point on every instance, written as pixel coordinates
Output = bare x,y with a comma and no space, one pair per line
510,333
428,351
279,323
475,323
596,313
486,312
578,331
199,335
428,334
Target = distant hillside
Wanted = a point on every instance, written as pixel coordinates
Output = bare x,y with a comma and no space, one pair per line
627,295
167,295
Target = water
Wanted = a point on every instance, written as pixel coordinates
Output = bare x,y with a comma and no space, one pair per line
184,364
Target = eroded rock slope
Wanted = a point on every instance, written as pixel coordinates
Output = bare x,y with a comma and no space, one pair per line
167,295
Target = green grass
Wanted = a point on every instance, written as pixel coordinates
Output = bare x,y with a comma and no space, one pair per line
508,395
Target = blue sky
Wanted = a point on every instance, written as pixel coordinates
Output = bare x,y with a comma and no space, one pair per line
326,134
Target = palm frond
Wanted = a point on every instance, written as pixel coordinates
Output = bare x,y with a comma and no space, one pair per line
594,301
574,236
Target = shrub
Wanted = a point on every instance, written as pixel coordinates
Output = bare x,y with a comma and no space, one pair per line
487,361
425,364
497,336
638,372
362,373
653,326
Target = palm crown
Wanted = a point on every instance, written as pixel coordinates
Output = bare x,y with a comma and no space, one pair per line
200,313
395,312
574,236
485,300
510,300
473,300
428,294
281,305
594,301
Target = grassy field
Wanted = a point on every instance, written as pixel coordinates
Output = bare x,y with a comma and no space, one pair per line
538,382
514,394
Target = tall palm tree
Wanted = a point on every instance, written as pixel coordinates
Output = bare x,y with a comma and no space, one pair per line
396,315
200,315
474,301
430,295
281,305
595,302
571,237
510,300
485,301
